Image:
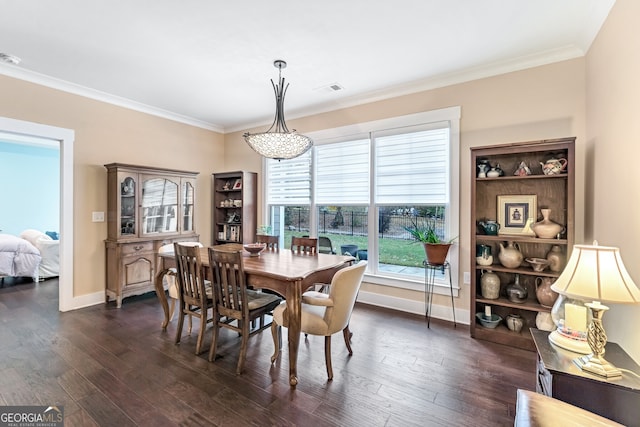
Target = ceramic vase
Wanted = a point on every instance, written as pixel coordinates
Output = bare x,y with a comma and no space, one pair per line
516,292
490,285
556,259
545,295
544,322
546,229
514,322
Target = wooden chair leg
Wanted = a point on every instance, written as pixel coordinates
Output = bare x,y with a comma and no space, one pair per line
276,332
180,324
327,356
243,347
347,338
214,339
190,323
203,327
172,309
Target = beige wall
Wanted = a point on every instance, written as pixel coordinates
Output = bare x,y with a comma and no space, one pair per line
613,140
103,134
544,102
538,103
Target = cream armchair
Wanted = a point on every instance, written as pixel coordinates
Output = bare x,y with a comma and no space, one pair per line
325,314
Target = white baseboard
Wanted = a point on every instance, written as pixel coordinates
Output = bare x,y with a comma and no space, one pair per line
413,306
88,300
371,298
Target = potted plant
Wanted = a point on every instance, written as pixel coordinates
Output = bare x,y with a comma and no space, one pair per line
434,247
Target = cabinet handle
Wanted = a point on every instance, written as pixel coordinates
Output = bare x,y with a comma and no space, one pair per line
137,248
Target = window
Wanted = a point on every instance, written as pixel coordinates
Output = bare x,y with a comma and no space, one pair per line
361,185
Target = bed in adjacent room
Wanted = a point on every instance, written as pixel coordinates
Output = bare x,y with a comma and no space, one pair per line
18,257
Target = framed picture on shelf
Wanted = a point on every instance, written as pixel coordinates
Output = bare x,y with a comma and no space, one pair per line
238,184
516,213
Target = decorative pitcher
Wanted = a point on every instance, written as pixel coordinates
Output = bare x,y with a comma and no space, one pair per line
489,227
545,295
510,256
554,166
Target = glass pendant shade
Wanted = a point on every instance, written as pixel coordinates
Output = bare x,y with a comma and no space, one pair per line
279,145
278,142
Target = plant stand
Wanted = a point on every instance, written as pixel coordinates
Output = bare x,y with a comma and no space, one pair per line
429,282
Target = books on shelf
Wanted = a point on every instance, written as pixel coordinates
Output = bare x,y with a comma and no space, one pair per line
231,233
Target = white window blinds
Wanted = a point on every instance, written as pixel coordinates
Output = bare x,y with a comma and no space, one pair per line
342,173
412,166
289,181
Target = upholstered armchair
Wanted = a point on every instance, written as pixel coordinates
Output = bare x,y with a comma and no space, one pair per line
325,314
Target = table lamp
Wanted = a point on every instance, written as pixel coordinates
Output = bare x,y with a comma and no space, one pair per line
596,273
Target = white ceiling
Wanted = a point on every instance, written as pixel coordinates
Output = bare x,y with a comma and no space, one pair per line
209,62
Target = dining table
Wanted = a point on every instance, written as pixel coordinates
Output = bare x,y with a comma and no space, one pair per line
283,271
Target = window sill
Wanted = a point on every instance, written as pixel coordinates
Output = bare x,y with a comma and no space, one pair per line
441,287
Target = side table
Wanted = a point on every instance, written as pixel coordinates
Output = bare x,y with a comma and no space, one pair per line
558,376
430,271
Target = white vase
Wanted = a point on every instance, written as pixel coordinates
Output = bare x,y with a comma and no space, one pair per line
544,322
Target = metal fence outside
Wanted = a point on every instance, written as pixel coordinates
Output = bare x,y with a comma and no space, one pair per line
353,223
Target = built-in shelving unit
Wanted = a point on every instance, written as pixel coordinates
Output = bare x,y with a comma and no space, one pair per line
234,207
556,192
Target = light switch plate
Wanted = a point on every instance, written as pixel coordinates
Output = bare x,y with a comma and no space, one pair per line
97,216
466,278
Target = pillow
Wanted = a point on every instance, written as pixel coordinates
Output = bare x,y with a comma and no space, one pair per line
53,234
33,236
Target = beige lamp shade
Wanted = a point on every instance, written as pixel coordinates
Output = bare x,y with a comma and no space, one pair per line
597,273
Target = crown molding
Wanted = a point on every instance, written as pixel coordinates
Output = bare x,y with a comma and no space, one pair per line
65,86
447,79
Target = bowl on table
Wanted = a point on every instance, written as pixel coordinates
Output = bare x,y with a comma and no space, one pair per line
538,264
254,249
489,321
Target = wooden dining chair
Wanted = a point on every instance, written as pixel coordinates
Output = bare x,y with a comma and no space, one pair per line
195,292
308,245
169,280
325,246
324,314
234,302
272,242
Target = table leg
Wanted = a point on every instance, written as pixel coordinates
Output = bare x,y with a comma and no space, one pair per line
294,302
162,296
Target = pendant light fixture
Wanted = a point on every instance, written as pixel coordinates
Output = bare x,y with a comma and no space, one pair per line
278,142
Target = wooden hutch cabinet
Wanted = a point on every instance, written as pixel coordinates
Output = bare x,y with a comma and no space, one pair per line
147,208
234,211
555,192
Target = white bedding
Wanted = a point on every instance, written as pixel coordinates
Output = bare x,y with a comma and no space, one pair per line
18,257
49,251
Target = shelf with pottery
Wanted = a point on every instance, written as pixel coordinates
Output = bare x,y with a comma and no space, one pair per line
234,207
541,175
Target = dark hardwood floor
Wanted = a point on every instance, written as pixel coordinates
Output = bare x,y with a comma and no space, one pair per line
116,367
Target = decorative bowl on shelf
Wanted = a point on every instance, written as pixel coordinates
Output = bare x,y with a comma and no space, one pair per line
254,249
538,264
489,322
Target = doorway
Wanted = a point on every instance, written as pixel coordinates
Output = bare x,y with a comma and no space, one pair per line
17,130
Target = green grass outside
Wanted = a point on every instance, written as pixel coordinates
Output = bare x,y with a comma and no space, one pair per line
392,251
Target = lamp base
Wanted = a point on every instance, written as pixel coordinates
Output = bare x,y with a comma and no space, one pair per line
571,344
597,365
